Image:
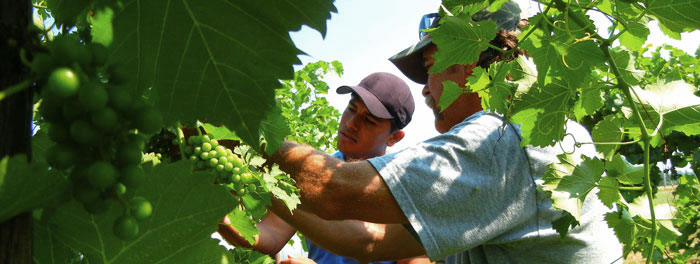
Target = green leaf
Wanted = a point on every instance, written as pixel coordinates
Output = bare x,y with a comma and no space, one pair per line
623,225
625,64
67,12
102,31
608,130
281,189
220,132
256,205
460,41
40,144
676,15
570,181
49,249
676,103
187,208
625,172
217,61
450,92
244,225
543,112
589,101
564,223
25,186
609,192
249,256
496,96
274,129
635,36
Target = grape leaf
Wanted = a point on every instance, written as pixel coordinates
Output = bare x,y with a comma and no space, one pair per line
187,208
256,205
25,186
676,15
498,91
282,190
460,41
274,129
249,256
450,92
608,130
625,172
67,12
625,64
623,225
102,31
564,223
244,225
609,192
40,144
542,113
589,101
570,181
49,249
676,103
218,61
220,132
635,36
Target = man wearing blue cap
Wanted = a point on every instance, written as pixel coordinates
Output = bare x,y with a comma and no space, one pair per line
380,107
468,195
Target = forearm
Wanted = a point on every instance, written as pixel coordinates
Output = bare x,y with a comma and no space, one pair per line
336,190
360,240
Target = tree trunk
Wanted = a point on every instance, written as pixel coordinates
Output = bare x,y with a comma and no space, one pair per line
15,119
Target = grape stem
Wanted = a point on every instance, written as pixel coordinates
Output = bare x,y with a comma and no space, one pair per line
14,89
181,140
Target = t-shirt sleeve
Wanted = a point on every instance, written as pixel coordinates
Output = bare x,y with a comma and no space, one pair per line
462,188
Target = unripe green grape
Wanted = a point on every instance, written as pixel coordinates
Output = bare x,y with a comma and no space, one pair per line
126,227
132,176
205,138
93,96
72,110
51,110
58,132
204,155
105,119
229,152
63,82
228,166
67,50
137,140
119,98
247,177
237,161
221,149
118,189
197,151
201,164
42,64
140,207
102,174
250,188
129,154
237,170
149,120
189,150
206,146
241,192
97,206
192,140
193,158
159,156
118,73
60,156
212,154
223,160
213,162
235,178
175,141
219,167
82,132
214,143
220,154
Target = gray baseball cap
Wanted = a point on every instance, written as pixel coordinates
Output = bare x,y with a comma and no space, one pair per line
410,60
385,95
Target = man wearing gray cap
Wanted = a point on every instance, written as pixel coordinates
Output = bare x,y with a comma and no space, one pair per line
470,194
380,107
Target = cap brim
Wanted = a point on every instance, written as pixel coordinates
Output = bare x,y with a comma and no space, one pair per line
410,61
370,100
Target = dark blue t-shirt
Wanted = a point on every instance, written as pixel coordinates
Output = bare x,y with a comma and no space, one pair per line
321,256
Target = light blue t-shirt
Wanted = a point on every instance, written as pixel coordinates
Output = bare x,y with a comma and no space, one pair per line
321,256
471,196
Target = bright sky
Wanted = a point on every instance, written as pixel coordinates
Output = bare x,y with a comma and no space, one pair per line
364,33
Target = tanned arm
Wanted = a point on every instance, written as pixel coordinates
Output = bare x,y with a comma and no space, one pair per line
363,241
337,190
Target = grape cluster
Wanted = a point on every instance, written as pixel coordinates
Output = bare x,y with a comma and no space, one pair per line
98,129
206,153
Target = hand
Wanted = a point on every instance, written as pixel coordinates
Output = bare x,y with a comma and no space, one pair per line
297,260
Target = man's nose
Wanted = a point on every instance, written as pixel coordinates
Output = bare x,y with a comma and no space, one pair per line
352,123
425,91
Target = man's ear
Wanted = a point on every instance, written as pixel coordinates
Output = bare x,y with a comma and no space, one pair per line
395,137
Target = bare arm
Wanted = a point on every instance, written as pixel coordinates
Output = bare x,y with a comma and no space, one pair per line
336,190
274,234
363,241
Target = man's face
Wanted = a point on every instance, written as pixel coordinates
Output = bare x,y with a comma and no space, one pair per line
360,134
432,91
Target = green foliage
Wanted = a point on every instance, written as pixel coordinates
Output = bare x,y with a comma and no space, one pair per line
310,117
